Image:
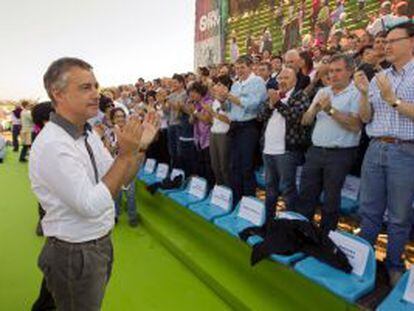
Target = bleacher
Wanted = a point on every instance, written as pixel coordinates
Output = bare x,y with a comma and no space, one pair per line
255,22
201,229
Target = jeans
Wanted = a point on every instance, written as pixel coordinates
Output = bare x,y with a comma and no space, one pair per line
243,140
280,178
172,139
387,183
131,205
324,170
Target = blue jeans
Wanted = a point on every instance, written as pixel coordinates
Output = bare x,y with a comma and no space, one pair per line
280,178
324,171
131,205
387,182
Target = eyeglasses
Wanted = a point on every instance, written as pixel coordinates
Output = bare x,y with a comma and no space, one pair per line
391,41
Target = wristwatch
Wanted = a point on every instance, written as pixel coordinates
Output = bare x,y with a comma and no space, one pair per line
396,103
331,111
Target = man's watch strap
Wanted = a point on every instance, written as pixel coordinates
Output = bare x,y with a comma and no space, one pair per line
396,103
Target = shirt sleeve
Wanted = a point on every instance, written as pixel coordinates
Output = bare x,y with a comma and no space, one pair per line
63,172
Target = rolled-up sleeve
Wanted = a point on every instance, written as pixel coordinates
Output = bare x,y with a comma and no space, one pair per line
64,173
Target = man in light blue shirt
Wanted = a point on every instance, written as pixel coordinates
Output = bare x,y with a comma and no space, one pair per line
245,97
335,143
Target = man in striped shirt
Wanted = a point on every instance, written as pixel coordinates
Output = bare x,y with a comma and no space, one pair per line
387,106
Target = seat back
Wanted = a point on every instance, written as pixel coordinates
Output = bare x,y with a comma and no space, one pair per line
252,210
222,197
162,171
359,252
350,190
149,166
177,172
197,187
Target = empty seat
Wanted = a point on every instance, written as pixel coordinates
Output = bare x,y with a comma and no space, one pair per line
350,286
195,191
249,212
160,174
286,260
349,195
148,169
219,203
395,300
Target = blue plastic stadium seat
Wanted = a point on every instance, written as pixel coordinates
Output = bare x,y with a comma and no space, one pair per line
195,191
237,221
395,301
160,174
286,260
174,173
218,204
349,196
348,286
260,177
147,169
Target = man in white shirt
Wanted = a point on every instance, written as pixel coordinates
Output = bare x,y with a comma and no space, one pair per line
285,140
75,180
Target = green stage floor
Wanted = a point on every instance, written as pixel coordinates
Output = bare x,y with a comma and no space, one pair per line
145,275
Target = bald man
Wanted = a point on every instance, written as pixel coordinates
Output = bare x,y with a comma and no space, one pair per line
292,59
285,140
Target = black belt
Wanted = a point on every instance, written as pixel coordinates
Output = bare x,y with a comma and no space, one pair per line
95,241
336,148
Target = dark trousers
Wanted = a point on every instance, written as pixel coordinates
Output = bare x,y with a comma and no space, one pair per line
76,274
280,179
45,301
243,141
324,170
15,136
173,141
204,166
187,157
23,152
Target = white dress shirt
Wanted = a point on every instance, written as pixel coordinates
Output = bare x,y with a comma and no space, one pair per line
78,209
275,141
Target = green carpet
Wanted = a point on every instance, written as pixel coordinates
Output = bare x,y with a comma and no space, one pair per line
145,275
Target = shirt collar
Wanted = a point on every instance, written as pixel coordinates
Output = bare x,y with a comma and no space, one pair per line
345,90
248,78
68,126
407,67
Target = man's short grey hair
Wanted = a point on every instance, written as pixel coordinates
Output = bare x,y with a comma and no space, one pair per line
56,76
348,60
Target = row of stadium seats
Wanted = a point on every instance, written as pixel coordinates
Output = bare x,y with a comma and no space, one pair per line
216,208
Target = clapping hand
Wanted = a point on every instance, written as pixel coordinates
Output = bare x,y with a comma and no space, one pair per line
129,137
385,88
325,103
274,97
361,82
150,127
